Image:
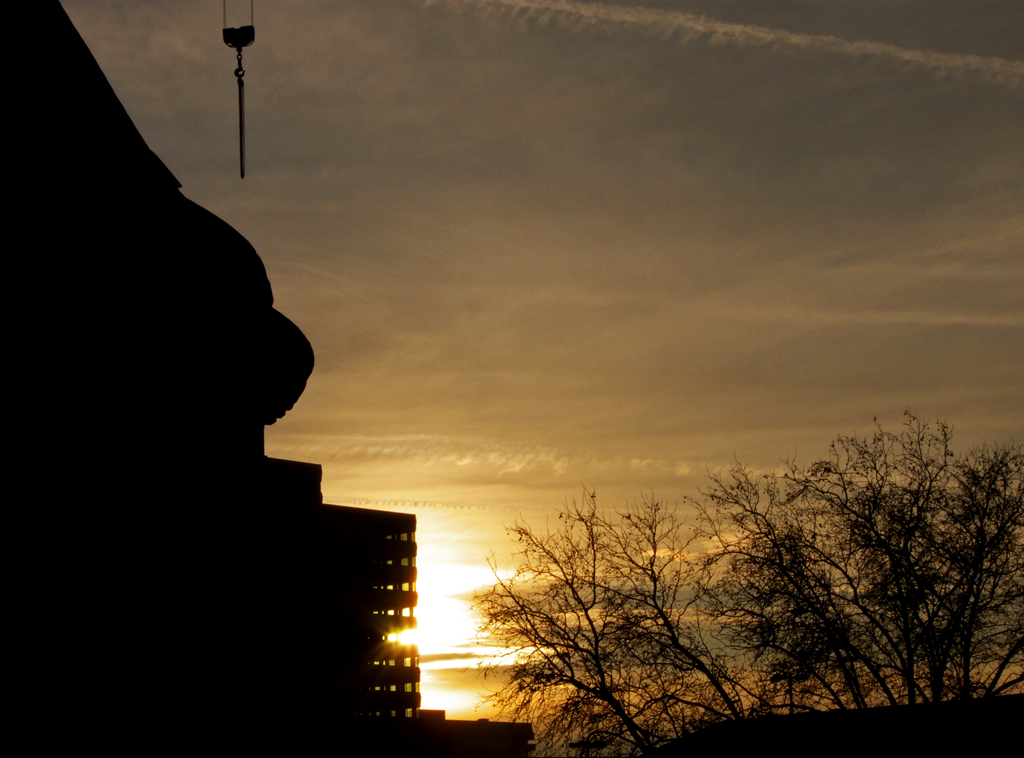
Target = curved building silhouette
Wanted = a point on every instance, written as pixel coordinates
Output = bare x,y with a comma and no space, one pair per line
184,590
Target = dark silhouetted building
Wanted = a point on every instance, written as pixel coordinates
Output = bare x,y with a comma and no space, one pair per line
195,592
149,357
481,738
359,567
356,590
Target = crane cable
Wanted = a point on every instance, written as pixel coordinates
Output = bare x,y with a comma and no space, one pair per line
238,38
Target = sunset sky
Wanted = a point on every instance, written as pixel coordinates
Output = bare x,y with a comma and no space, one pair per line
539,245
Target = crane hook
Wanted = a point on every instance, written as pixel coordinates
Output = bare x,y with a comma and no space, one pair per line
238,38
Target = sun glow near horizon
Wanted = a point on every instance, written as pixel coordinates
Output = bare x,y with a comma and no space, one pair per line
447,634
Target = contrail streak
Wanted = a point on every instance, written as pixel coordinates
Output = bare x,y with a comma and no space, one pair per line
578,15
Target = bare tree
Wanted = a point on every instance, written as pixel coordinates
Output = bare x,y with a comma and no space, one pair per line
609,651
892,572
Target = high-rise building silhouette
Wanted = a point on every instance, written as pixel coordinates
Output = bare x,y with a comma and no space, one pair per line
350,577
357,568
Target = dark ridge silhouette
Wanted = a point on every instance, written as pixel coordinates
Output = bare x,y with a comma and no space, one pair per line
156,294
952,727
149,357
187,592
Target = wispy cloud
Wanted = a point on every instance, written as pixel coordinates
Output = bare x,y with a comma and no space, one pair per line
446,657
574,15
503,457
816,317
434,449
393,503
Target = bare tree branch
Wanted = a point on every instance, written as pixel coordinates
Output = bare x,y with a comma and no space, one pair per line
890,572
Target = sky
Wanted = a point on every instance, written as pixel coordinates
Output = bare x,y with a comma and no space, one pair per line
546,246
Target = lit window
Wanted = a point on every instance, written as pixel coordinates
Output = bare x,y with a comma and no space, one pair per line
405,586
394,687
391,586
405,561
391,613
406,612
408,713
405,537
391,661
408,661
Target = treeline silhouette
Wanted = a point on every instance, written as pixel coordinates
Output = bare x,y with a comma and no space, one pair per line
891,573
